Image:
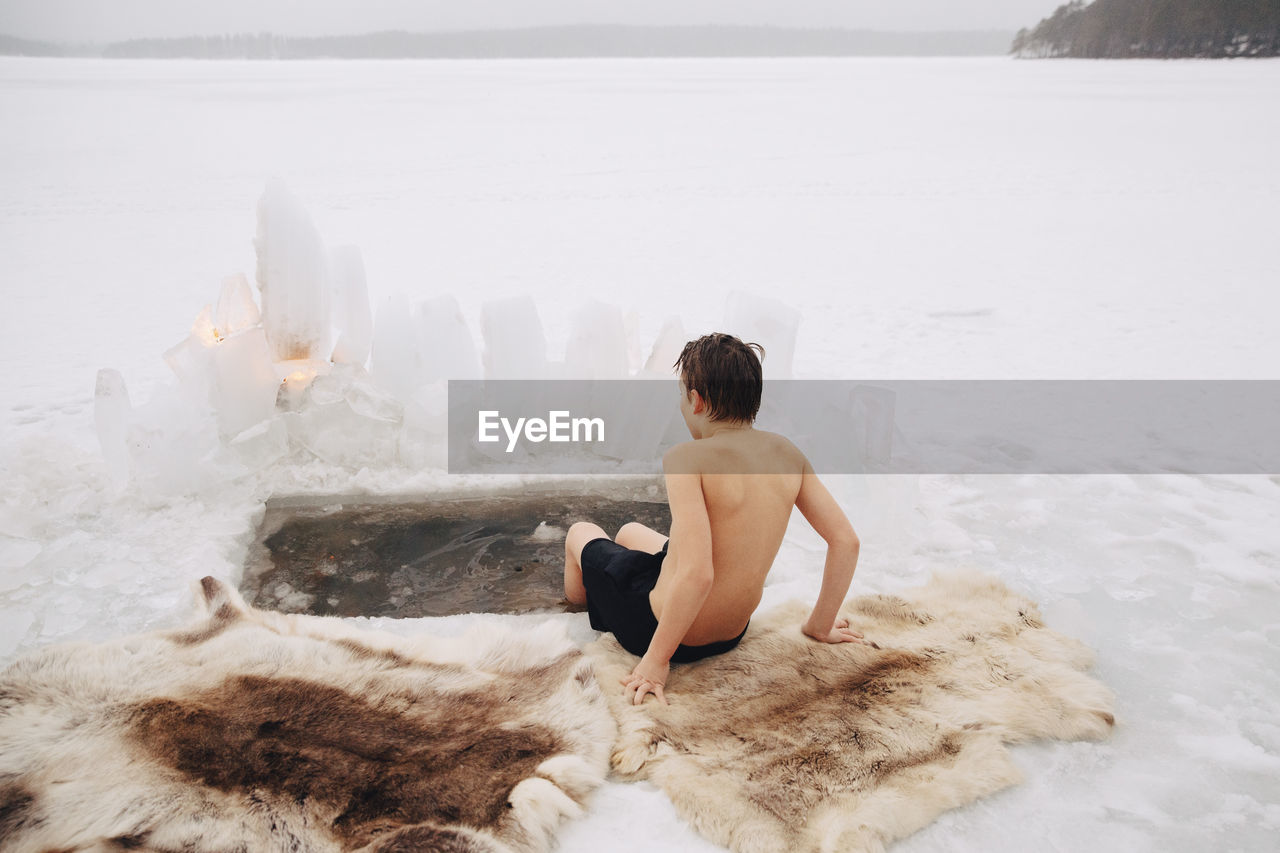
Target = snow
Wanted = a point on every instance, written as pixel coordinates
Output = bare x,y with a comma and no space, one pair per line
769,322
977,218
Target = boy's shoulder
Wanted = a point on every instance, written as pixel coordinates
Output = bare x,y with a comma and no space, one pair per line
682,458
698,456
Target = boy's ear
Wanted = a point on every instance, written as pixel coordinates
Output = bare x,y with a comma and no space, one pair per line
698,403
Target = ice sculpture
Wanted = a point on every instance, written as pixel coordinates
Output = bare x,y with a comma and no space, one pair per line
635,352
346,419
873,416
171,445
245,381
292,277
448,350
260,445
647,427
666,348
236,309
660,365
423,434
225,363
257,382
597,346
352,318
397,363
514,344
191,360
111,413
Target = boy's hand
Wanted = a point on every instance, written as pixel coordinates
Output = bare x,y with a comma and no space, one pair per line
648,677
839,633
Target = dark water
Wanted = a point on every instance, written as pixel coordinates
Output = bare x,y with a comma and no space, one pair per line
469,555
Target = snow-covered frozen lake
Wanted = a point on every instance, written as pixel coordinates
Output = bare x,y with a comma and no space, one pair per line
928,218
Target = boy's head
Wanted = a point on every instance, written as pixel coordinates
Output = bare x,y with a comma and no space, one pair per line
726,375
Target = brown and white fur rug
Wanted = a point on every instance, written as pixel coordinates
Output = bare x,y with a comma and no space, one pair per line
257,731
789,744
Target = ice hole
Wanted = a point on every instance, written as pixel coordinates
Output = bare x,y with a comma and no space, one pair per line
336,556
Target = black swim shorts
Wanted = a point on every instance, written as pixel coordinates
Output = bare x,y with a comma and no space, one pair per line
618,581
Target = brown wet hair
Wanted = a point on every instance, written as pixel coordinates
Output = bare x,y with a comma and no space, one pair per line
726,373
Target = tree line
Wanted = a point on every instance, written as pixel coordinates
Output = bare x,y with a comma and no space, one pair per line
571,41
1165,29
232,46
537,42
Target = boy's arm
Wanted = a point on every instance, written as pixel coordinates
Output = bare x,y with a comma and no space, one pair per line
821,510
691,528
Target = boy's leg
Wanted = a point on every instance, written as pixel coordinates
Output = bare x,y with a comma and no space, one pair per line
637,537
580,533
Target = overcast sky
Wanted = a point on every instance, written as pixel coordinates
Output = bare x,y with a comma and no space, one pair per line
109,20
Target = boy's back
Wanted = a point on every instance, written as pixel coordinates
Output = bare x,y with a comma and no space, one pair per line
731,491
749,480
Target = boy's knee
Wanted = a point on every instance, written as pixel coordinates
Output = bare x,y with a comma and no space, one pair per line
581,528
580,533
628,528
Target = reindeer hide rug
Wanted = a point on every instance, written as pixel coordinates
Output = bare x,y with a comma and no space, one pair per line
257,731
785,743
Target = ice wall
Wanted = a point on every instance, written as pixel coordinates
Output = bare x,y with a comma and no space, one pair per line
259,386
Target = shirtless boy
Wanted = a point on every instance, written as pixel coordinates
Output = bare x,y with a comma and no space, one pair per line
731,490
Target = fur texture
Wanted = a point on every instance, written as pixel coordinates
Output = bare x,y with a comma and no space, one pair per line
789,744
257,731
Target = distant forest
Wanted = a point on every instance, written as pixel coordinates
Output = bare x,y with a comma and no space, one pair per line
1166,29
10,46
545,42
